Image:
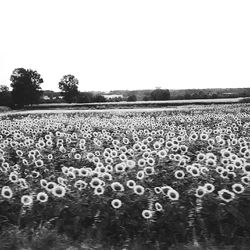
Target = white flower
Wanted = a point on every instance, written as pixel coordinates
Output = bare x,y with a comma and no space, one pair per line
200,192
147,214
27,200
6,192
226,195
238,188
42,197
116,203
58,191
173,194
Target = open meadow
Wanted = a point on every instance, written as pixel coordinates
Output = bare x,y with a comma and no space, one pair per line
173,178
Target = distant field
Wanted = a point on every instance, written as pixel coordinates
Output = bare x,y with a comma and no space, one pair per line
117,109
136,104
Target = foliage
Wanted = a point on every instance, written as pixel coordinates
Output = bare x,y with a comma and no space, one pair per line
4,88
99,98
116,99
160,95
69,87
41,238
25,86
200,94
5,96
146,98
132,98
85,97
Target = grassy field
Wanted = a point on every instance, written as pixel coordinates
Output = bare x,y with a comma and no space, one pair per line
174,178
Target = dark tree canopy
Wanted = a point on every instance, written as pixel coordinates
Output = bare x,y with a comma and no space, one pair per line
85,97
25,86
99,98
146,98
4,88
160,95
132,98
69,87
5,96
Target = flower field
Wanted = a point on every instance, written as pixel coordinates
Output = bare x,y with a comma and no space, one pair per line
158,178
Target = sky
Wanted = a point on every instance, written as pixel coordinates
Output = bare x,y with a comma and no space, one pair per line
110,45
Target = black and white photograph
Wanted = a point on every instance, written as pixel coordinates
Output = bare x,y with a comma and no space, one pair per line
124,125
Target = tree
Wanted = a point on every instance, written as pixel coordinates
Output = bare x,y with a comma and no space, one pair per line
5,96
85,97
146,98
69,87
132,98
187,95
160,95
99,98
25,85
4,88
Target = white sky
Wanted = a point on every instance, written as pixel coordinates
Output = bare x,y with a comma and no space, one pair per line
128,44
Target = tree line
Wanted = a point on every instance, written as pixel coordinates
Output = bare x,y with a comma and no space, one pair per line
26,90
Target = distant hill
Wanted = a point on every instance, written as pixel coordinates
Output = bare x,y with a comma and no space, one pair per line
209,93
175,94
